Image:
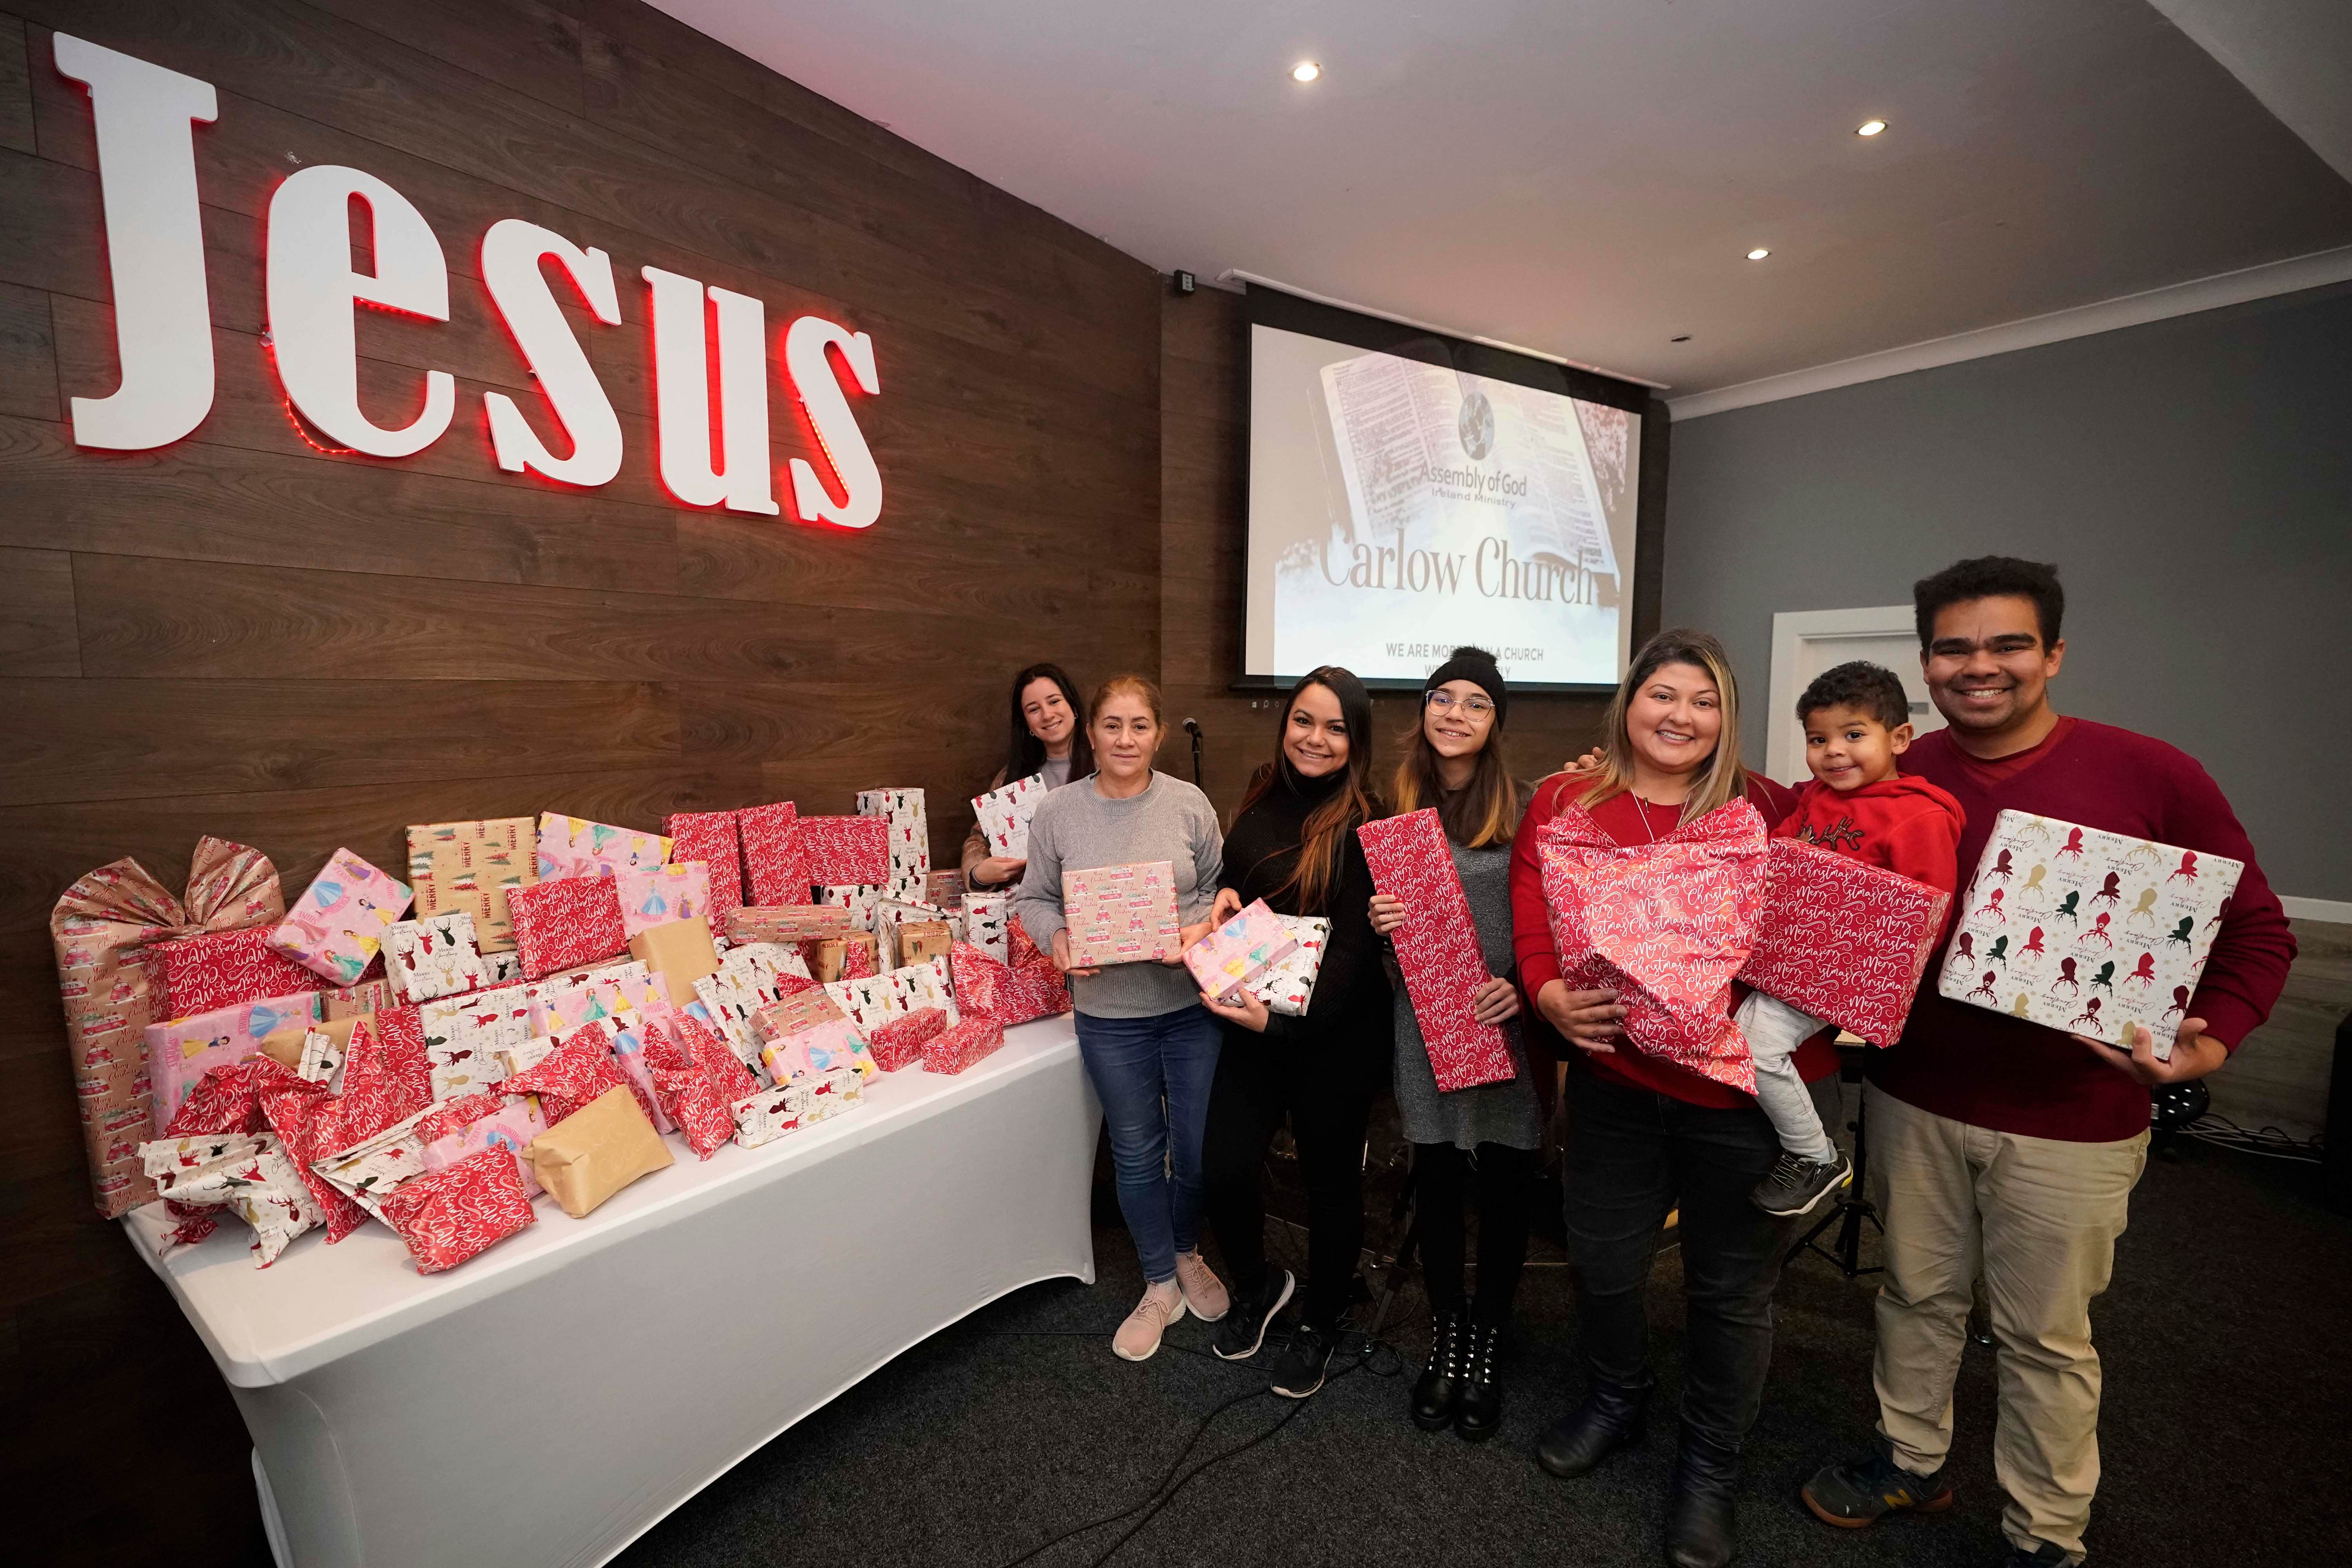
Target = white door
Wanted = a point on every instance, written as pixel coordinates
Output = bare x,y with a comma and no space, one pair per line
1807,642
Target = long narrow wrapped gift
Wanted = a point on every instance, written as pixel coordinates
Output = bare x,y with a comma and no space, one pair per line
336,928
1003,816
899,1043
713,838
470,867
457,1212
1232,958
1436,948
250,1177
774,872
220,969
586,1157
181,1051
575,847
1667,925
765,1117
1844,940
630,1032
1121,914
786,922
860,898
910,837
563,922
676,891
1290,985
843,849
953,1051
433,956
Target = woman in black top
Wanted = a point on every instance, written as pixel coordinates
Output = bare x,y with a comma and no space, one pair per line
1293,843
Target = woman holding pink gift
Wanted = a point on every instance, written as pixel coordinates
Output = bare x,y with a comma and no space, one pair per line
1049,742
1492,1130
1649,1135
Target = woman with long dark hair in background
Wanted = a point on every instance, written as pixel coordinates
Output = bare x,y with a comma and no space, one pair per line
1048,737
1292,844
1492,1130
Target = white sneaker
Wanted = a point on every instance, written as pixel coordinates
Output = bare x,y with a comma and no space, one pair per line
1140,1335
1204,1293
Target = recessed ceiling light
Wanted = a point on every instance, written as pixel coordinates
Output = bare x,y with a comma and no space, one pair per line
1758,254
1305,71
1870,127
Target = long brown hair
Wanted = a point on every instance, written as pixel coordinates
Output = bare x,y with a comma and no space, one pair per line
1024,753
1721,778
1483,812
1323,837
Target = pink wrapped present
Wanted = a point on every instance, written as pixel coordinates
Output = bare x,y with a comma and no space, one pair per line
953,1051
774,872
1121,914
336,928
219,969
1665,925
571,1075
1232,958
816,1050
1843,941
899,1043
1437,948
449,1215
843,849
574,847
359,1001
563,922
1003,816
630,1035
659,894
507,1125
180,1052
713,838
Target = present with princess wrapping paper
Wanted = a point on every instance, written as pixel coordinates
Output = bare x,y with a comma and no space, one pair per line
653,895
2085,930
575,847
179,1053
336,928
1436,948
1844,940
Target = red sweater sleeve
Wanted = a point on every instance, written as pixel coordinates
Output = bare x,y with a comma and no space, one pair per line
1531,920
1925,848
2255,946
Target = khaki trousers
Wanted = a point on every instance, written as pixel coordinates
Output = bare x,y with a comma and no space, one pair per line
2040,1218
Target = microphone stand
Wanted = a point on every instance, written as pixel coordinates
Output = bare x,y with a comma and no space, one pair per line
1193,728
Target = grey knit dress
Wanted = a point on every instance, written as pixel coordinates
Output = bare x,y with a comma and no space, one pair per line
1505,1113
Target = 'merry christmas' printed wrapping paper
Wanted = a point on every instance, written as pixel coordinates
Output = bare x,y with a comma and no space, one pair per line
774,871
1841,941
219,969
336,928
469,868
449,1215
1436,948
843,849
953,1051
562,923
713,838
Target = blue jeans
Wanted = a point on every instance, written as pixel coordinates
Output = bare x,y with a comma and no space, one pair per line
1153,1076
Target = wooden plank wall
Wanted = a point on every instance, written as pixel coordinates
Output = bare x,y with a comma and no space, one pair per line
246,636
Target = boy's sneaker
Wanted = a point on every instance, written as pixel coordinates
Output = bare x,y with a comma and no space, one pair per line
1243,1332
1864,1491
1796,1185
2045,1554
1298,1371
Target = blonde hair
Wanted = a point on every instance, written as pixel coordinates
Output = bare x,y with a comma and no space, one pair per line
1127,685
1721,779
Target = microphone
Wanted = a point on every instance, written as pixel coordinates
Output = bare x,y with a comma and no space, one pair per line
1193,728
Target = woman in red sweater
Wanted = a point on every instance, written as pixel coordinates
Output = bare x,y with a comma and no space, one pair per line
1650,1137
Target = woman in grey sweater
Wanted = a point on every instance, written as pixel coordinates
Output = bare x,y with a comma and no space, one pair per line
1149,1048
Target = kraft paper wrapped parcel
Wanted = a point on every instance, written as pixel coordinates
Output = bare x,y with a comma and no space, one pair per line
1436,948
469,868
588,1156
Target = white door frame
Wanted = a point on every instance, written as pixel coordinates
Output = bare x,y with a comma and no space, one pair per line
1784,744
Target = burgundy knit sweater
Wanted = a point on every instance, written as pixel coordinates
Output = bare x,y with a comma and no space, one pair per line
2004,1073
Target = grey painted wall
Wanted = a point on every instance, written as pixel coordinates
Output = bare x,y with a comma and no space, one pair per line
2191,478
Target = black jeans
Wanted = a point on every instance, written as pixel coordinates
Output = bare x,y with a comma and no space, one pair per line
1258,1086
1505,1191
1633,1156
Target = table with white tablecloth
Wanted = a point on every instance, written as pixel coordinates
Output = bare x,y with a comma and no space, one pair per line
552,1399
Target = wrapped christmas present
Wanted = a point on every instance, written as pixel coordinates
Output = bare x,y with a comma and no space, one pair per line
470,867
786,922
836,850
630,1034
247,1175
571,1074
336,928
765,961
1665,925
860,898
889,915
691,1098
922,940
1436,948
1121,914
680,952
944,889
1010,994
364,1000
953,1051
183,1051
433,956
571,847
899,1043
774,871
308,1051
898,992
986,917
219,969
455,1211
713,838
1232,958
910,837
1843,941
818,1049
1290,985
461,1129
1004,814
782,1019
586,1157
768,1115
847,956
366,1170
563,922
679,890
2085,930
303,1114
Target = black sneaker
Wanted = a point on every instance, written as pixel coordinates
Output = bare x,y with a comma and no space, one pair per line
1864,1491
1243,1329
1796,1185
2045,1554
1298,1371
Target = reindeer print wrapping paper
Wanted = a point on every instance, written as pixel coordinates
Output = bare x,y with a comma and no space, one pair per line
433,956
1005,816
1437,948
910,839
1288,986
249,1176
2085,930
1841,941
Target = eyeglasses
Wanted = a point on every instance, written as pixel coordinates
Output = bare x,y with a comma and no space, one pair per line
1439,702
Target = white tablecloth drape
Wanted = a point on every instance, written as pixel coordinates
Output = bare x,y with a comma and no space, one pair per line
552,1399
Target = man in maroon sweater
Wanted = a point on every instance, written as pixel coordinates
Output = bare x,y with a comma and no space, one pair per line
1998,1144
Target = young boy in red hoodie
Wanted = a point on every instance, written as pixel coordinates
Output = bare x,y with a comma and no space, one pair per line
1857,721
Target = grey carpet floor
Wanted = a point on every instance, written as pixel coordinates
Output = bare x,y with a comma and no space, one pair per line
2229,1392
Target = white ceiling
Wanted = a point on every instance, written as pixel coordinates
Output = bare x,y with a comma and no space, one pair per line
1585,176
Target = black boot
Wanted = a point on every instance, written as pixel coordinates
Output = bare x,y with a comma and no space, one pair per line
1609,1417
1440,1387
1481,1407
1701,1529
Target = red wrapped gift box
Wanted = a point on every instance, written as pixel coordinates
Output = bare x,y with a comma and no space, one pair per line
450,1215
1010,994
572,1075
714,838
899,1043
692,1101
564,922
1843,941
1665,925
223,968
1437,948
771,854
953,1051
837,850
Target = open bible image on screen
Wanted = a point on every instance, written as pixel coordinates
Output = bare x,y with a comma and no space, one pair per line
1399,508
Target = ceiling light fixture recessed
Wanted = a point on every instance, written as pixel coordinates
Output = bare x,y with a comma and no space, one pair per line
1870,127
1305,71
1758,254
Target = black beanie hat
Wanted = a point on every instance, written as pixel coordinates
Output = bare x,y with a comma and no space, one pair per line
1476,666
